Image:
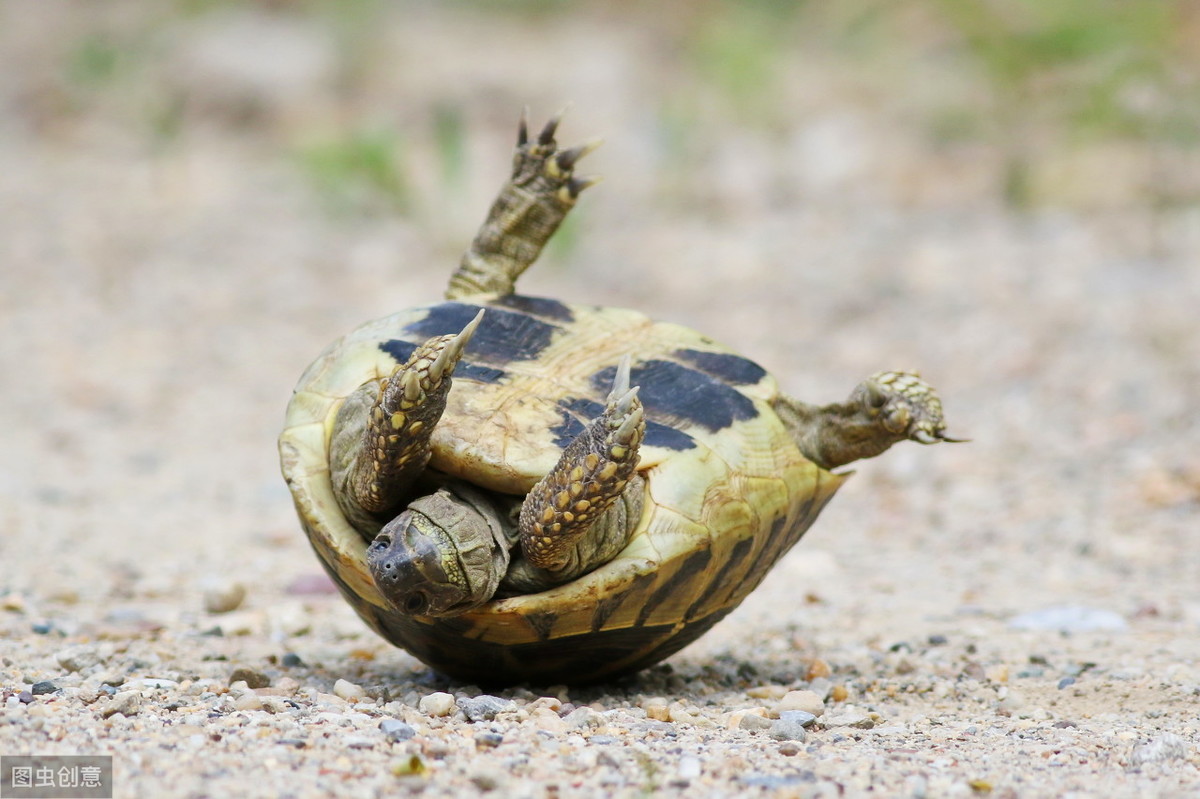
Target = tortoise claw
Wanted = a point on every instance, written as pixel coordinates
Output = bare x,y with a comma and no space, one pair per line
454,349
936,437
546,137
576,185
620,379
523,128
567,158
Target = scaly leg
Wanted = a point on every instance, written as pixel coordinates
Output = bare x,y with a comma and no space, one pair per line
381,437
524,216
884,409
565,528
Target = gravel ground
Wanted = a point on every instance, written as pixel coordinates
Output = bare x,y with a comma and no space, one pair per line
1014,617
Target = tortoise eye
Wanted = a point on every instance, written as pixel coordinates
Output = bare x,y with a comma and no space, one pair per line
381,542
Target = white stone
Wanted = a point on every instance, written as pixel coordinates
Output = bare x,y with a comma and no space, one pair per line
808,701
348,690
437,703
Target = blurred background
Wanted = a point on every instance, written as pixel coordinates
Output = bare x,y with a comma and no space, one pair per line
197,195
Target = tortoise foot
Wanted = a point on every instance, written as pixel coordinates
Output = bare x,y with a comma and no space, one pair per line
570,502
530,207
544,170
389,425
904,405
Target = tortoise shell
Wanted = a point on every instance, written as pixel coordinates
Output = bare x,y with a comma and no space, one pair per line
728,490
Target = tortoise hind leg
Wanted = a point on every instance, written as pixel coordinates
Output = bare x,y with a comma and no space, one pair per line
572,520
884,409
381,437
530,207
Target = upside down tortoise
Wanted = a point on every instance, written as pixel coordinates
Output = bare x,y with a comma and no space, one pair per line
515,489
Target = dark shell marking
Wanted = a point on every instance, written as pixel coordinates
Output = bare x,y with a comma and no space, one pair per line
400,350
537,306
675,395
502,337
732,369
577,412
682,396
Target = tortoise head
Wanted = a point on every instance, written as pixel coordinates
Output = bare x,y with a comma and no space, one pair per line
440,557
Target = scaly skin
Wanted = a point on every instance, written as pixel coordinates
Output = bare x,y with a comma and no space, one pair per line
884,409
530,207
589,477
381,441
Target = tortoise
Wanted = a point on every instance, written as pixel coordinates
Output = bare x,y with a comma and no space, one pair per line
516,489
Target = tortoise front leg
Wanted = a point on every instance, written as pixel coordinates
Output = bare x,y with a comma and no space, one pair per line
572,521
884,409
530,207
381,437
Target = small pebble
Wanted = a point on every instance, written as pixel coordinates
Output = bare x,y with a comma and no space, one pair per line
252,678
753,722
849,717
487,740
801,717
43,687
396,730
938,640
224,596
127,703
77,658
437,703
787,730
789,748
291,660
1167,746
42,628
547,720
248,701
656,708
808,701
1065,681
13,601
25,697
344,689
113,678
485,707
582,717
818,669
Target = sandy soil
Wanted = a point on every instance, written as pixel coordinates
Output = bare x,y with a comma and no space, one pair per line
169,269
